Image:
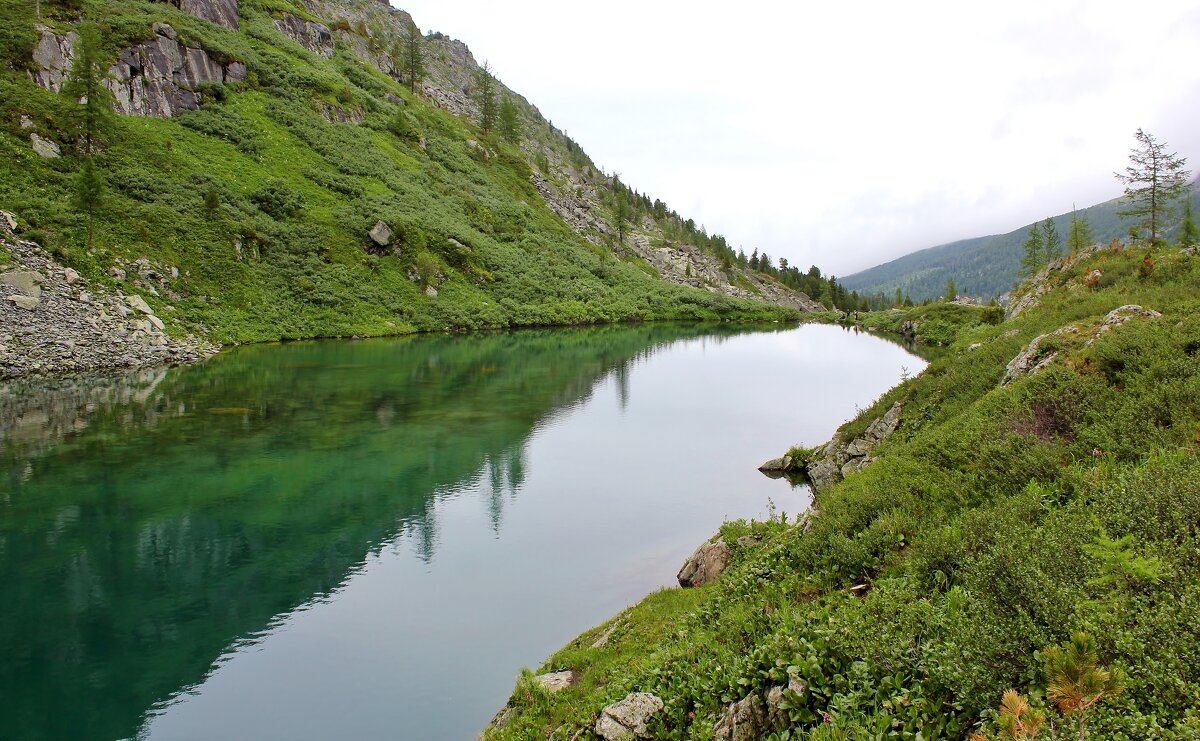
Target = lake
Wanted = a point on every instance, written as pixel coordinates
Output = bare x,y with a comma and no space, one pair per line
369,539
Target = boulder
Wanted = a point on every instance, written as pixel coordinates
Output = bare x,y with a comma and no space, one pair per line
381,234
8,222
557,681
626,719
777,464
743,721
29,303
25,281
45,147
1033,359
705,565
70,276
776,716
1122,314
431,292
139,303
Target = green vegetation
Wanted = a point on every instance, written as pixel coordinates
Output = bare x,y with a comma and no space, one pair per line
1154,181
263,198
1000,521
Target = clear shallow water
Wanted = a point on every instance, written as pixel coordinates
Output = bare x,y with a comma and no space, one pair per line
369,539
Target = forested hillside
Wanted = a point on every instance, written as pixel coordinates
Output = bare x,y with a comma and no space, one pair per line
984,267
269,169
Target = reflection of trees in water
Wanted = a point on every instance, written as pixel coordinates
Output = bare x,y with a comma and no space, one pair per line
151,519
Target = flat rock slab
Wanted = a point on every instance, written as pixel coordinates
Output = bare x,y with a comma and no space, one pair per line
557,681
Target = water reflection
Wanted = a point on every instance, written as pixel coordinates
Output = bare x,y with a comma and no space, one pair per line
148,521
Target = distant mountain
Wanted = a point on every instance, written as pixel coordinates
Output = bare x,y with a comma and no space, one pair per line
981,266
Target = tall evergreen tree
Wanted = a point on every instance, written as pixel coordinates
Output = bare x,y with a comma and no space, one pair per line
485,97
1032,251
93,116
1154,180
89,195
412,55
1051,241
951,291
1188,233
510,122
1080,234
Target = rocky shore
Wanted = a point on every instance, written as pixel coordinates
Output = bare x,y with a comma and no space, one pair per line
53,321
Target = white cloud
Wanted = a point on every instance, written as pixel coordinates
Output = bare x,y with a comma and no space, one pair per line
845,134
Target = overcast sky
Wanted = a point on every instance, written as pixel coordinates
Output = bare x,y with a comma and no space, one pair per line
845,134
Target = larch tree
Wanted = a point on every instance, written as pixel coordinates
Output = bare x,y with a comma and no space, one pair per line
1080,234
1032,251
93,114
412,55
1154,180
510,121
485,98
1051,242
1188,233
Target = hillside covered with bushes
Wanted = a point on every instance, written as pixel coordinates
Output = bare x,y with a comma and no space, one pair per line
1030,525
274,170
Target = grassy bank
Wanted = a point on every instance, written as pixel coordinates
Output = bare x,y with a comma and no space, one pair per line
999,520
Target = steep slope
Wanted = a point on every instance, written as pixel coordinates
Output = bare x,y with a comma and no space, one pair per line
982,266
285,182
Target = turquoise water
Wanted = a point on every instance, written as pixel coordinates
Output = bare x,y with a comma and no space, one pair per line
369,539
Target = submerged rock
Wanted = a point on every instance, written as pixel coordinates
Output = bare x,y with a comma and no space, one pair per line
705,565
626,719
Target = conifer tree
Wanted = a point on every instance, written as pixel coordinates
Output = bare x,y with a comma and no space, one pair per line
1154,180
485,97
93,115
1080,234
951,291
1188,233
1032,251
412,55
1051,242
89,195
510,122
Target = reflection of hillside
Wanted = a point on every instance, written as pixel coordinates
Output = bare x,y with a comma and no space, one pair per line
149,522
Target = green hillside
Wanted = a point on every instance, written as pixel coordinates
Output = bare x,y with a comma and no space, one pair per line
252,211
984,267
1042,481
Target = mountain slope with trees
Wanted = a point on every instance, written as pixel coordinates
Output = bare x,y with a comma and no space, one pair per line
984,267
270,169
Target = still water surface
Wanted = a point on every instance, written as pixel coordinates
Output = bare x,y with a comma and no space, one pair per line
369,539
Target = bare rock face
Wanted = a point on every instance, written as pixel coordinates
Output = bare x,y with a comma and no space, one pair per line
743,721
158,78
52,58
705,565
1036,356
316,37
221,12
44,147
626,720
838,459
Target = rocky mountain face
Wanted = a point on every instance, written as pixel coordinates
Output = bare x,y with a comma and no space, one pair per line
163,76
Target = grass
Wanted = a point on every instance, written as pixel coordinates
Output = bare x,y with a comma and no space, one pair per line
977,534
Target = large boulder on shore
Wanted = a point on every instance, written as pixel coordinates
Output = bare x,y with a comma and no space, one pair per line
705,565
626,719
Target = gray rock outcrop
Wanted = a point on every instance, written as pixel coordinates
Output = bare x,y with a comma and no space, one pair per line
52,57
557,681
44,147
626,719
1041,351
315,37
839,458
156,78
777,465
221,12
380,234
743,721
706,564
